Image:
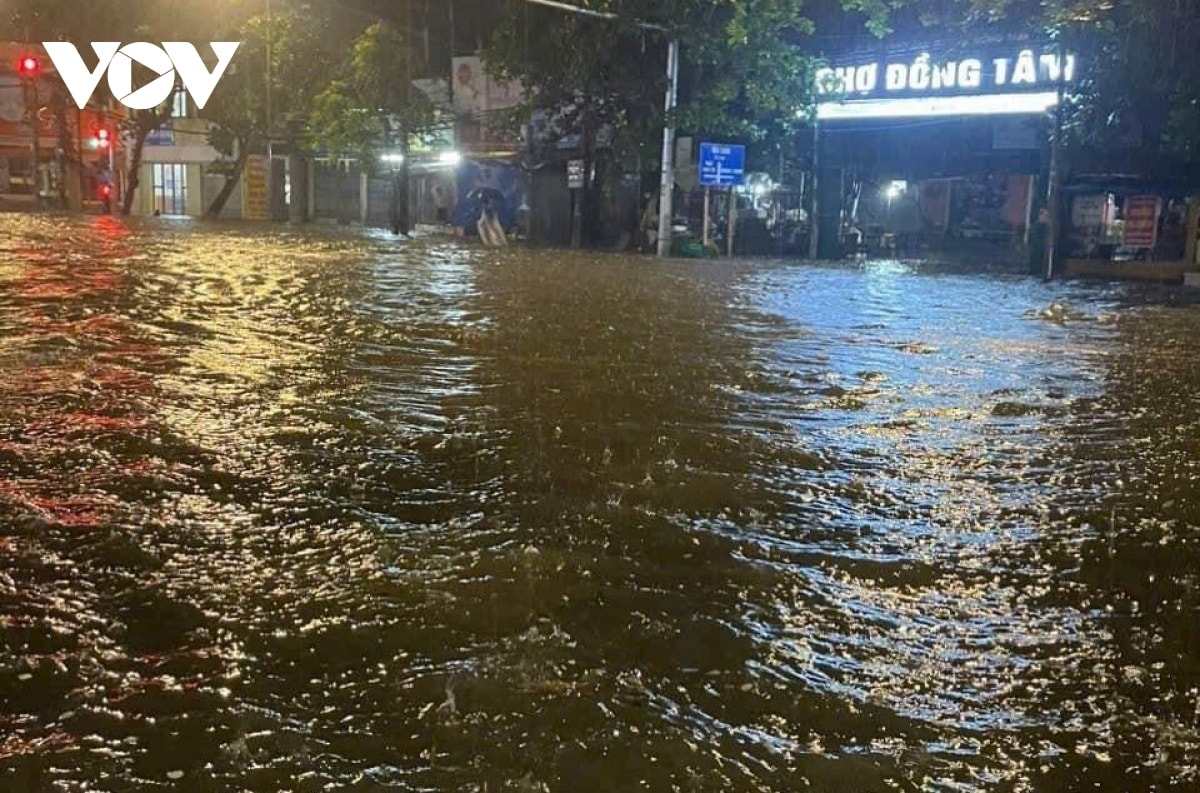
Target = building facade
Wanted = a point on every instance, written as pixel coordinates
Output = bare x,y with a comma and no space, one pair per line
51,152
181,173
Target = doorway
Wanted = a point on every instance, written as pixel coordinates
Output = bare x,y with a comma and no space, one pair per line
169,188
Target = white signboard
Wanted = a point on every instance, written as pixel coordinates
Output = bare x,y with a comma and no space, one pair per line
994,83
1087,212
924,75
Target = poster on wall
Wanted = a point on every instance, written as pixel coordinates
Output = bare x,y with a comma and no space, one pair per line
1087,212
1141,221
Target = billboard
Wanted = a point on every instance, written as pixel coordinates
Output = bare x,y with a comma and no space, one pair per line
984,81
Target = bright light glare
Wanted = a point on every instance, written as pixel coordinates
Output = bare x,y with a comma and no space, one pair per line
449,158
995,104
894,189
393,157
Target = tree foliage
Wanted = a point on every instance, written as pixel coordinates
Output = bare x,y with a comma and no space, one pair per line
283,54
741,75
371,101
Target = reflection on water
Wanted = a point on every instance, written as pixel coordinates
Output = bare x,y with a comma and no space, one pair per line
309,511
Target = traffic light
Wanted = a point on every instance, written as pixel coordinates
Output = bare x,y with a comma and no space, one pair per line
102,139
29,66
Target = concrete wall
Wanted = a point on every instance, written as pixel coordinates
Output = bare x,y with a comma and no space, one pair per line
337,192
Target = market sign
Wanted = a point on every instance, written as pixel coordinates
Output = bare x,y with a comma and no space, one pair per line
998,83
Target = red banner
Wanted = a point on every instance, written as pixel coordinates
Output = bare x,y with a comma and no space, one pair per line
1141,221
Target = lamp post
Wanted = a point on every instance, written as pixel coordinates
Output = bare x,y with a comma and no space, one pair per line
667,183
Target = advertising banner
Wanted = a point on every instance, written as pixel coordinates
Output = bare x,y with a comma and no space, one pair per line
1141,221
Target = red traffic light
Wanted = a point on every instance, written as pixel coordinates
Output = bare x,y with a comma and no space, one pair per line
102,139
29,66
105,190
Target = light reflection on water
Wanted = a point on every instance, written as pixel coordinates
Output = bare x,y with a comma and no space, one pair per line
322,511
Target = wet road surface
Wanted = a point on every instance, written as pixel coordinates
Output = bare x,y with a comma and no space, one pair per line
288,511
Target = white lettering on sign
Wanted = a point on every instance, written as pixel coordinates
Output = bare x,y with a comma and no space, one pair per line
1025,72
922,74
173,57
1001,65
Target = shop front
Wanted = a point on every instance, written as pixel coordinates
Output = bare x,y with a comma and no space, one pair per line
1131,228
921,150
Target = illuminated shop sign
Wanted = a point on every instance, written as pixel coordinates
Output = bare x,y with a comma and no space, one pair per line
1025,81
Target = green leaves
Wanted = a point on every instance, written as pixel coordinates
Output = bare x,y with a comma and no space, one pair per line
741,73
371,102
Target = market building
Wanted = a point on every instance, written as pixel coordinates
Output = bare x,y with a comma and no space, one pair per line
927,147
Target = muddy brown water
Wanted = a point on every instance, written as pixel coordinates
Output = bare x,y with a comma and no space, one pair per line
320,511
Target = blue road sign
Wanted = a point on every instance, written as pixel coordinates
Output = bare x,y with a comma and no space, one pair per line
722,164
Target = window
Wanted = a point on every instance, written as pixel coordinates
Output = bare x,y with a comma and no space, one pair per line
180,107
169,188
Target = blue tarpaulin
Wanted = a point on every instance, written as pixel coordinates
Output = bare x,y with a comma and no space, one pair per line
500,180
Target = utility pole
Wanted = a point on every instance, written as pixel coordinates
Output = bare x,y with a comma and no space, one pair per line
1053,191
667,188
667,182
270,117
814,223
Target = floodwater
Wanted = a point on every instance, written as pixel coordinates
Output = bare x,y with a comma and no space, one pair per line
321,511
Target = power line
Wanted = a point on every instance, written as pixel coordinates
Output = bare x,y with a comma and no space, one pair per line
591,13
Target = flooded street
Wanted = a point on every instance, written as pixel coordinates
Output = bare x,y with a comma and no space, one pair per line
321,511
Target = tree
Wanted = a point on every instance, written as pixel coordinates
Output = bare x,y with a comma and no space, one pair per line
741,74
237,110
751,79
136,128
371,104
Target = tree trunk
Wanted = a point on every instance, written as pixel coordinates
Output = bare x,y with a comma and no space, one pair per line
587,204
68,159
145,126
134,167
231,181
